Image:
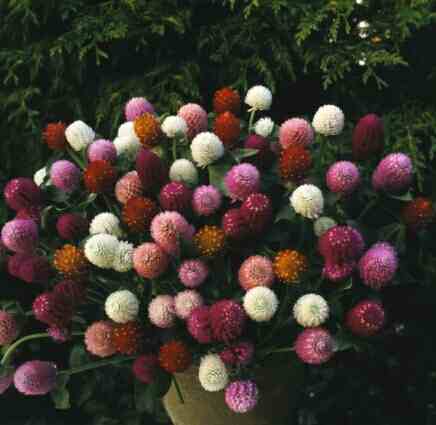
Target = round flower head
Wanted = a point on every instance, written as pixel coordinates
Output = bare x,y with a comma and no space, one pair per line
127,146
308,201
147,129
175,196
394,173
79,135
14,262
30,213
343,177
311,310
122,306
145,367
54,136
295,162
35,377
260,304
378,265
314,345
150,260
127,129
242,180
128,338
234,225
295,132
368,137
129,186
138,213
322,224
256,271
238,354
175,357
227,319
174,126
226,99
99,176
71,291
328,120
101,249
256,212
264,156
228,128
161,311
22,193
136,107
195,117
258,98
209,241
102,149
183,170
206,200
70,261
152,171
264,127
40,176
192,273
418,213
199,326
65,175
366,318
58,334
336,272
20,235
206,148
289,265
99,339
8,328
72,226
52,309
212,373
6,381
187,301
107,223
35,269
242,396
123,260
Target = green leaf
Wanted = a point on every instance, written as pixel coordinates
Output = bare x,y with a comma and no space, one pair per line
60,395
285,213
239,154
406,197
78,356
217,173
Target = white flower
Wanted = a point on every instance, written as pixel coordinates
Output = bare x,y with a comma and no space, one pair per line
105,223
174,126
79,135
122,306
123,260
328,120
322,224
127,146
212,373
260,303
127,129
183,170
308,201
101,249
187,301
264,127
259,98
206,148
40,176
311,310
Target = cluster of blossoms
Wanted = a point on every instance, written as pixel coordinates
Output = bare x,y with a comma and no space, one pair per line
156,243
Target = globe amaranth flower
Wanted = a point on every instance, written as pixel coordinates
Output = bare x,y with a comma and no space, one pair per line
175,357
260,303
128,338
99,177
152,171
314,345
294,164
199,325
206,148
187,301
378,265
144,368
311,310
54,136
59,334
195,117
210,241
337,272
123,259
150,260
122,306
129,186
234,225
308,201
366,318
242,396
368,137
256,212
73,292
418,213
35,377
238,354
147,129
343,177
72,226
175,196
228,320
241,181
322,224
102,149
30,213
6,381
40,176
138,212
264,127
127,146
161,311
127,129
100,250
35,269
192,273
256,271
206,200
295,132
264,156
8,328
65,175
394,173
52,309
212,373
258,98
99,339
174,126
22,192
20,235
70,261
14,262
79,135
106,223
136,107
183,170
328,120
289,265
226,99
228,128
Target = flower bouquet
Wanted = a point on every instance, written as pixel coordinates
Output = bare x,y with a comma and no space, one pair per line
212,256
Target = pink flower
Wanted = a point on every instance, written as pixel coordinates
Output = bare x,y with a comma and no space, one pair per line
256,271
129,186
21,193
175,196
199,325
99,339
136,107
150,260
234,225
65,175
35,269
161,311
241,181
72,226
228,320
144,368
366,318
195,117
8,328
394,173
52,309
35,377
58,334
295,132
20,235
102,149
187,301
238,354
336,272
256,212
192,273
206,200
314,345
242,396
30,213
343,177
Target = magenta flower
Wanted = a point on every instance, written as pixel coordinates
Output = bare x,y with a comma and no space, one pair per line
65,175
228,320
206,200
238,354
199,325
175,196
72,226
343,177
102,149
35,377
241,181
136,107
21,193
144,368
20,235
314,345
394,173
192,273
366,318
242,396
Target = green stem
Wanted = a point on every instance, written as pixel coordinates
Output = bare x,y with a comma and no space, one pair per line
366,209
179,391
95,365
76,158
174,149
250,121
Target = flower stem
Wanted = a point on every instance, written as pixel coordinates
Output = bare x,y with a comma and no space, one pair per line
179,391
95,365
76,158
174,149
250,122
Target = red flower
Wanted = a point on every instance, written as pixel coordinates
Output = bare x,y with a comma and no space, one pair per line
99,176
138,213
295,162
418,212
54,135
175,357
128,338
368,137
226,99
227,127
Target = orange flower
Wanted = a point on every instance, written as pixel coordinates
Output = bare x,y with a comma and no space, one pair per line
175,357
226,99
148,130
54,135
99,176
210,240
70,261
138,213
289,265
227,127
128,338
418,212
295,161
